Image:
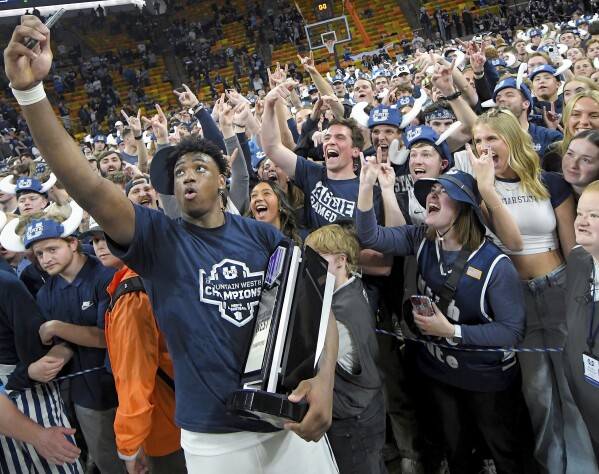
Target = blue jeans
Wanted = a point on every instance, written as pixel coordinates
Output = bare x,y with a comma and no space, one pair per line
357,442
562,442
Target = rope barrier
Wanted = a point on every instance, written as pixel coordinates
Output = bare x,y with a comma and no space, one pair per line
472,349
13,394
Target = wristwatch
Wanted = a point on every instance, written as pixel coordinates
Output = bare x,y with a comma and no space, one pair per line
194,111
457,334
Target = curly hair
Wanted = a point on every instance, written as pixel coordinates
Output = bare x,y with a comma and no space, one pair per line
192,144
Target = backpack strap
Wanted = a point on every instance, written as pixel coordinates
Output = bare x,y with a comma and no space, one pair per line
451,284
129,286
126,286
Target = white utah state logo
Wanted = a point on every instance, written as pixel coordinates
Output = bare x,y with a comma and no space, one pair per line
234,289
35,231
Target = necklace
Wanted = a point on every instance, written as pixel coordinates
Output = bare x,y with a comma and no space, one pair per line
503,187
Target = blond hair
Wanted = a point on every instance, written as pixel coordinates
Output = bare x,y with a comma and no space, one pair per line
334,239
568,136
523,159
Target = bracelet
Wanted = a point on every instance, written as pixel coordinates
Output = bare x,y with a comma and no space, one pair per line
495,207
453,96
238,126
479,74
199,106
31,96
138,137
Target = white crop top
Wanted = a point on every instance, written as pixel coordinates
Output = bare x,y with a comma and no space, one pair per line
535,218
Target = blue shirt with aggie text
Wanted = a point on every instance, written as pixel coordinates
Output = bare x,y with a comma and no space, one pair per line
329,200
204,286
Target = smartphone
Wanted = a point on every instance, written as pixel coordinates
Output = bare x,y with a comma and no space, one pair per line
422,304
49,24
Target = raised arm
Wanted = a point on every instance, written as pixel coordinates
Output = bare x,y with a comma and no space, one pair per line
26,70
142,152
270,134
497,217
443,79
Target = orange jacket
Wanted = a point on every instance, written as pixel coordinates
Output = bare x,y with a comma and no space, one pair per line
136,347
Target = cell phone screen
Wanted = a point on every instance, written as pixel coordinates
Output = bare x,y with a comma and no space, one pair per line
422,304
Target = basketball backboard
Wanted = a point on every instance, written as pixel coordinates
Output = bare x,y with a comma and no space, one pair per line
335,29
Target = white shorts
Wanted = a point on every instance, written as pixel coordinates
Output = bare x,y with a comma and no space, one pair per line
263,453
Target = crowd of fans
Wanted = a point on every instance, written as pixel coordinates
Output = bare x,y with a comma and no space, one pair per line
453,192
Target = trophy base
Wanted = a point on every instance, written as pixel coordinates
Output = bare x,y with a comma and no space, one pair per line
274,408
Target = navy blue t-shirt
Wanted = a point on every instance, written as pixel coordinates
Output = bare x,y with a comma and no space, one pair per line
204,286
330,199
542,137
83,302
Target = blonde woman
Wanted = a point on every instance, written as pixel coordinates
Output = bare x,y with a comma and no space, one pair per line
543,208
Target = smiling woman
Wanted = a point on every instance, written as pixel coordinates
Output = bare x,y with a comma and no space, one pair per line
269,203
580,163
486,309
543,209
580,114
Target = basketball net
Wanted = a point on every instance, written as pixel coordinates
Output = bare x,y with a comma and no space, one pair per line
330,45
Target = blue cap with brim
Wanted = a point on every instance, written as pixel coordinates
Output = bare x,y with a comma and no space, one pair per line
100,138
161,171
257,159
384,115
458,185
511,83
338,77
542,68
535,32
426,134
405,100
28,184
42,229
498,62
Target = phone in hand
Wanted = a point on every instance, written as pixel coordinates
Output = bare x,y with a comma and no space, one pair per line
50,23
422,304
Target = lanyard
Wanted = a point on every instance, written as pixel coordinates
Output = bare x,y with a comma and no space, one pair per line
592,334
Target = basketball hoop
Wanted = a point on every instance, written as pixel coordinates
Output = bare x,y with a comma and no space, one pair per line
330,45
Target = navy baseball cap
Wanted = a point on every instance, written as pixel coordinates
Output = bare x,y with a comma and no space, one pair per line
458,185
542,68
535,32
338,76
511,83
100,138
384,115
405,100
426,134
498,62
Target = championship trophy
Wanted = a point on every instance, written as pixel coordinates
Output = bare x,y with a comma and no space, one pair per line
289,335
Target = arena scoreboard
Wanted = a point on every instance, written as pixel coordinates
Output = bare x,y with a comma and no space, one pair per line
323,10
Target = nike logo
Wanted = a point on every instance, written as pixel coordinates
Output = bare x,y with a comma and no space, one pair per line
86,305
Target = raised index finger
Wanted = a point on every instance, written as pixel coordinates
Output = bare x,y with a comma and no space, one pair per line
125,114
